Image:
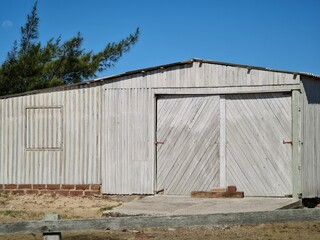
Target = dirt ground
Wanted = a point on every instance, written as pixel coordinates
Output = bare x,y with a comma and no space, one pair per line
283,231
31,207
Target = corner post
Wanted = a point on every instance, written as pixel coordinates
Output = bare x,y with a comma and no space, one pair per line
296,145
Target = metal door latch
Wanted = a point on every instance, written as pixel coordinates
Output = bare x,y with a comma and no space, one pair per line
287,142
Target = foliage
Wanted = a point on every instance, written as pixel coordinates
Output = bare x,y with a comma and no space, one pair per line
30,65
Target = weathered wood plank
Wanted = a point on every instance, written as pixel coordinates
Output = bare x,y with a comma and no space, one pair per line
135,222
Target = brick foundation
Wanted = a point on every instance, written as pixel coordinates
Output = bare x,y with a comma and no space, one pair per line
58,189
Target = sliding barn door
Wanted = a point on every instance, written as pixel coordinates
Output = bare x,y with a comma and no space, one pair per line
187,143
258,149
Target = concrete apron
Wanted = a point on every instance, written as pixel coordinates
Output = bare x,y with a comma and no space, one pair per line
185,205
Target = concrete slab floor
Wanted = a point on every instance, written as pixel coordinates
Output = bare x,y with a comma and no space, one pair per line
185,205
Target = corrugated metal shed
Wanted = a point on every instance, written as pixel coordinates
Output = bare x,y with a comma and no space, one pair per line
220,124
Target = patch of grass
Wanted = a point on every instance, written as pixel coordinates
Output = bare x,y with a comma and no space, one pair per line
67,216
107,208
4,194
11,213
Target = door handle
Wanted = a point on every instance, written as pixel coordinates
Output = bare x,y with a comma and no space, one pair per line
287,142
158,142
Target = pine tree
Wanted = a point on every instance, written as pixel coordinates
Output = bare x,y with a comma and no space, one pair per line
30,66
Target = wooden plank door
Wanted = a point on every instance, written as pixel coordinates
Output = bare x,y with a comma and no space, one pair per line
188,143
257,160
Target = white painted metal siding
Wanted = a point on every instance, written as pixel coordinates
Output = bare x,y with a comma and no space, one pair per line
114,125
128,142
310,168
188,159
203,75
43,126
37,146
257,161
82,129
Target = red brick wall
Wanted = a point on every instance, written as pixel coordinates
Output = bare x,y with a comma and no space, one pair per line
59,189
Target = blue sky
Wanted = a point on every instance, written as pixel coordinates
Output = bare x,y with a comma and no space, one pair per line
279,34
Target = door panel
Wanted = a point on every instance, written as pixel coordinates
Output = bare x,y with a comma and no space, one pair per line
257,160
188,147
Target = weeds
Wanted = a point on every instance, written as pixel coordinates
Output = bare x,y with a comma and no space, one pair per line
12,213
107,208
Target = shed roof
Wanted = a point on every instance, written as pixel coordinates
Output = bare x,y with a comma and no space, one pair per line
205,61
154,68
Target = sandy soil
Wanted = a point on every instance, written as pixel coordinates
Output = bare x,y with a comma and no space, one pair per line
31,207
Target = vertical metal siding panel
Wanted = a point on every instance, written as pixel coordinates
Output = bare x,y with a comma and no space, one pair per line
203,75
126,144
28,166
26,139
66,137
106,163
198,79
15,138
311,138
79,159
85,134
6,138
211,75
93,123
3,139
42,176
97,170
78,136
61,154
9,146
101,137
20,141
91,128
73,121
242,76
